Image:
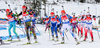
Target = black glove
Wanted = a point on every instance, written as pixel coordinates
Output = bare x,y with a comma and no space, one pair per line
94,16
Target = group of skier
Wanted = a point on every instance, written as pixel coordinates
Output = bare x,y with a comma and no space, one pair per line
28,17
53,22
65,21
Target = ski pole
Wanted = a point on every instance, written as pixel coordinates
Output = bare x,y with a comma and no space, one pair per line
38,30
9,7
63,7
22,29
97,31
49,34
50,31
66,36
88,9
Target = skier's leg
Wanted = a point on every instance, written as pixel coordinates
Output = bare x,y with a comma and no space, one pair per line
52,29
81,31
46,27
31,31
76,26
27,26
34,33
56,33
62,31
14,30
9,30
49,28
91,32
86,30
73,28
70,30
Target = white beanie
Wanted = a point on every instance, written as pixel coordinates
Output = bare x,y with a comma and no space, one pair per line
87,13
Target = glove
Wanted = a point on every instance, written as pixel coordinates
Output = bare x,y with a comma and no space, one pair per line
94,16
60,24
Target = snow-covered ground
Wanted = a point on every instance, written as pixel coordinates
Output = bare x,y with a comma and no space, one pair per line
44,41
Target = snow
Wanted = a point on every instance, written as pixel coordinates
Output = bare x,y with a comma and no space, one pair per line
43,40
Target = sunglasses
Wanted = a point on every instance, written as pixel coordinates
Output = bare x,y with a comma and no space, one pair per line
23,8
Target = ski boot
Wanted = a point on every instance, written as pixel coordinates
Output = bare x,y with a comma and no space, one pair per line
77,41
10,39
18,38
62,40
29,42
85,38
53,37
81,36
57,38
35,39
92,39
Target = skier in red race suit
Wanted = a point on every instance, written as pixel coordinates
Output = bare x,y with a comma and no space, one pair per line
88,26
47,21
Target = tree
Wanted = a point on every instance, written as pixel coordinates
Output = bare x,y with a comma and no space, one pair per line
82,1
57,0
67,0
97,0
36,5
44,1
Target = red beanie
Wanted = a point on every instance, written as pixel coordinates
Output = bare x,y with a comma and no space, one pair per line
23,6
63,11
52,13
7,10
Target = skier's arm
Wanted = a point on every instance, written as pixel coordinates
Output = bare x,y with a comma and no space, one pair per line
94,18
19,14
13,15
69,16
60,20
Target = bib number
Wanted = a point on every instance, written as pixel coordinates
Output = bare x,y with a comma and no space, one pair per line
26,17
11,19
65,20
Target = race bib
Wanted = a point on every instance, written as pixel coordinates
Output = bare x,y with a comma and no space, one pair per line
88,21
26,17
11,19
74,21
53,19
65,20
33,17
